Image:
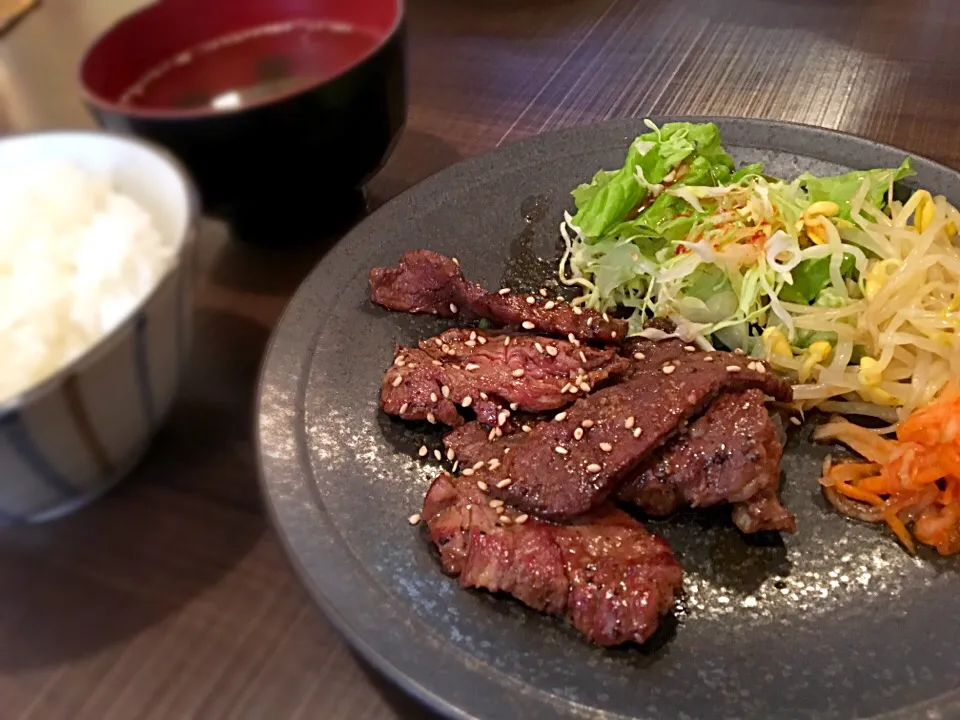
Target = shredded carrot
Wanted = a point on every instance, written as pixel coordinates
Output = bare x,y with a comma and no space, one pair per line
914,479
856,493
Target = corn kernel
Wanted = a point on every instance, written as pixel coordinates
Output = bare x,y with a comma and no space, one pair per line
879,275
816,353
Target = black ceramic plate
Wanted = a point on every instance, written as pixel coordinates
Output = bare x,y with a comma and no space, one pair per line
833,622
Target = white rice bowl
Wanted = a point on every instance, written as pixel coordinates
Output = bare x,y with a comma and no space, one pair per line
76,258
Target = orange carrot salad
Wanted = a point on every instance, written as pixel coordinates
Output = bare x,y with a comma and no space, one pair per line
911,483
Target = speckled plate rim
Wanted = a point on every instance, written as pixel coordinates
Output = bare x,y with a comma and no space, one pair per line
396,644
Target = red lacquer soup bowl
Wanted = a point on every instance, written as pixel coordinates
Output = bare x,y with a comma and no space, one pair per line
281,109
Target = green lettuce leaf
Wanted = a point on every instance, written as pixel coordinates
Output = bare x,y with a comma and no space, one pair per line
841,189
810,277
610,196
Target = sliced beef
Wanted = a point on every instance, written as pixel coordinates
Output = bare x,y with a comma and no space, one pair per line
730,454
427,282
605,574
568,466
492,373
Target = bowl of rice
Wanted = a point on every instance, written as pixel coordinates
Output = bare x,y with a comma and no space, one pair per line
97,233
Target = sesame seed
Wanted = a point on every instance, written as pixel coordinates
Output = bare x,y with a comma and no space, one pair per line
505,520
433,397
399,361
527,325
585,387
637,432
593,467
492,434
470,343
498,432
436,362
560,450
560,416
466,402
639,356
517,373
577,310
431,418
403,408
445,348
605,317
502,417
606,447
565,388
733,368
482,340
453,308
573,340
589,321
438,455
438,342
478,465
587,424
482,485
496,503
539,347
628,423
668,369
578,434
471,366
468,471
504,291
422,452
521,519
455,466
689,348
531,299
397,380
493,464
549,305
795,420
613,334
551,351
483,396
451,352
506,450
445,391
583,357
414,519
737,351
573,390
451,454
760,368
455,261
708,358
504,483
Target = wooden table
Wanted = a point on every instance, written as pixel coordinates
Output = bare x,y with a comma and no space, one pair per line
170,598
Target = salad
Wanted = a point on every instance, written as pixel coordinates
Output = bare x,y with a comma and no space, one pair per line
834,280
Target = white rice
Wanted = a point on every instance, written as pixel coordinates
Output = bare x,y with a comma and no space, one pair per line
76,258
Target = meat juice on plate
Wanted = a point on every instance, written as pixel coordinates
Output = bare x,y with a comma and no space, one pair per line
248,67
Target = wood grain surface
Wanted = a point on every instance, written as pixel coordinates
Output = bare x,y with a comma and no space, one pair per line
170,597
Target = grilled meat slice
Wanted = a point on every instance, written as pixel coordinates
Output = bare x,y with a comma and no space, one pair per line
568,466
730,454
427,282
490,372
605,575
